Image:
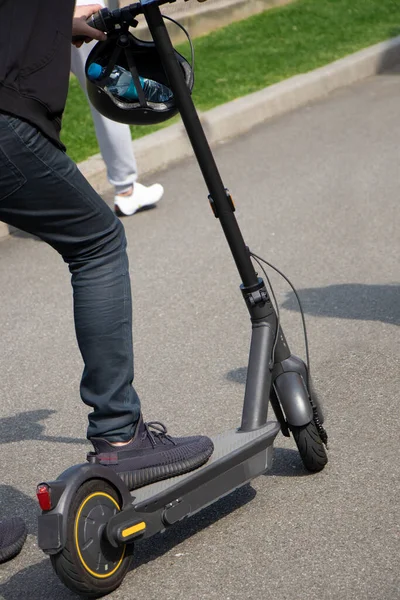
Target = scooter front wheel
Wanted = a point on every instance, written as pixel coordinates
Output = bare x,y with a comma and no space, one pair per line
310,447
88,564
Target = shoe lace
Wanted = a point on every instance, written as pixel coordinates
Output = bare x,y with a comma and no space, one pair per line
156,431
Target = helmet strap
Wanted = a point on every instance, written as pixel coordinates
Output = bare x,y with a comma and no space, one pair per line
111,63
124,42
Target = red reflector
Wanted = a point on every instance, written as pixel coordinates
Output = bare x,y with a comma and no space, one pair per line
44,497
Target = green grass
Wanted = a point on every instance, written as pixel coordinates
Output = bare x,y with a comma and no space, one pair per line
252,54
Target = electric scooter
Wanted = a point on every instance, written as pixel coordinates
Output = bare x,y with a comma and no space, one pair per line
90,519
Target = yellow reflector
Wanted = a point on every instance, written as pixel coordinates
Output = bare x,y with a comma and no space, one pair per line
134,529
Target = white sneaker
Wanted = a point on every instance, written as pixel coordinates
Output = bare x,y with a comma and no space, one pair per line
140,197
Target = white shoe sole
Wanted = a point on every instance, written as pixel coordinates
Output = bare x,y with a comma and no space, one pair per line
125,206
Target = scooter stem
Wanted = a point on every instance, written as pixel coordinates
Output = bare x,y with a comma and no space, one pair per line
262,313
223,207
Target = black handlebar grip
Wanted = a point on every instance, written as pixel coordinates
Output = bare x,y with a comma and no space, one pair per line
96,21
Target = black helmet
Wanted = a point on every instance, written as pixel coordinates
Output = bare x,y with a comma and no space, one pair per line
145,62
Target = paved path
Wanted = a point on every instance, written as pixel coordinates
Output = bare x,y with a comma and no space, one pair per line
317,193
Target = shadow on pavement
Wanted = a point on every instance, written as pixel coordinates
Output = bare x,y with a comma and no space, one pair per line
23,234
160,544
237,375
354,301
14,503
26,426
287,463
390,61
37,582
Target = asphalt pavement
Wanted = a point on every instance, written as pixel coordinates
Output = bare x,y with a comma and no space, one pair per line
317,194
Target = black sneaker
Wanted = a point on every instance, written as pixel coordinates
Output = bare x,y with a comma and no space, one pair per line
152,455
12,537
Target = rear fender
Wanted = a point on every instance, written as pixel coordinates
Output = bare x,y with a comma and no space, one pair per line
52,524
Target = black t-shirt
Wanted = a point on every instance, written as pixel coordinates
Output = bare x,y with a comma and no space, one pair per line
35,51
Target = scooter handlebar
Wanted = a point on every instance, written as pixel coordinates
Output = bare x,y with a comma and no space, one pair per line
98,20
103,20
106,19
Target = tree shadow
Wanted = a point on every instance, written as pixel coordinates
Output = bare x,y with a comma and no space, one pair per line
353,301
26,426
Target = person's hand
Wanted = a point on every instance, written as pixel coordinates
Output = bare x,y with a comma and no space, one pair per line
81,29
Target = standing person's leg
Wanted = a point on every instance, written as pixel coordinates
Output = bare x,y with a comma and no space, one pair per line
43,192
114,138
116,148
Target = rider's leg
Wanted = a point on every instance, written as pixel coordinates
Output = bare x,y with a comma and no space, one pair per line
43,192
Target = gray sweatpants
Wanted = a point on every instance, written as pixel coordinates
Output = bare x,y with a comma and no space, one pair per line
114,138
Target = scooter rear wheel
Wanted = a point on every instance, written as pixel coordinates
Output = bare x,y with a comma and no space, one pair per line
88,564
310,447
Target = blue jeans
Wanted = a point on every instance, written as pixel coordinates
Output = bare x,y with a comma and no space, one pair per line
43,193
